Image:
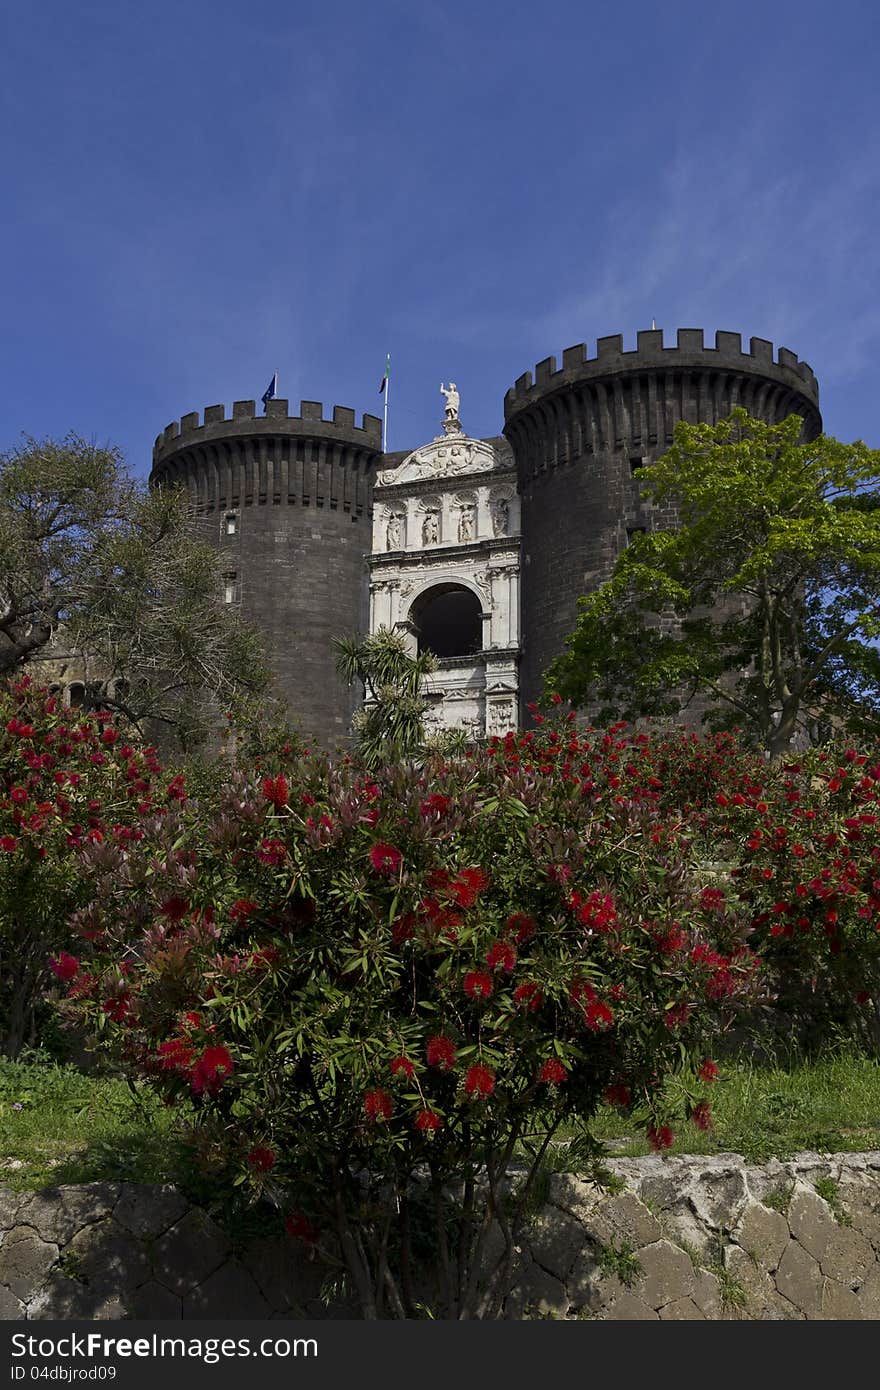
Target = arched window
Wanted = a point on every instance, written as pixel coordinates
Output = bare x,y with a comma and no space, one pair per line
448,620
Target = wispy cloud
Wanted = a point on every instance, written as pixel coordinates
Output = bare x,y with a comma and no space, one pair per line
724,241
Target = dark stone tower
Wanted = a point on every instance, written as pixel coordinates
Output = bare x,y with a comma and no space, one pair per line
287,499
578,434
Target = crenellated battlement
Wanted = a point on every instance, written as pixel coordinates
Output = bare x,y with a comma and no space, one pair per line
651,354
215,425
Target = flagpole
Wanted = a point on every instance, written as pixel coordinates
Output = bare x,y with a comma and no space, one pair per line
385,412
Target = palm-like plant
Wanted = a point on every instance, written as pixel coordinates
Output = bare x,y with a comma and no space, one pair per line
391,724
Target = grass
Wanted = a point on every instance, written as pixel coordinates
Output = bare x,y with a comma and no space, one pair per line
60,1125
762,1111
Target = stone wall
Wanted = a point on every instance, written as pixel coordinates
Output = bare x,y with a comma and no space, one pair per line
683,1238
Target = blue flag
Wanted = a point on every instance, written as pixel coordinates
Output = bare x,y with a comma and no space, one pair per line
271,390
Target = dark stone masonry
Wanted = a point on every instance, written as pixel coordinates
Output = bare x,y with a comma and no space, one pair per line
288,498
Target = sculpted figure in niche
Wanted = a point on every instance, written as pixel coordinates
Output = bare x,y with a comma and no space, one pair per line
500,516
395,532
452,399
466,524
430,529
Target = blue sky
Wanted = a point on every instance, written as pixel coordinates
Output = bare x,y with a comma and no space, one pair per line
199,193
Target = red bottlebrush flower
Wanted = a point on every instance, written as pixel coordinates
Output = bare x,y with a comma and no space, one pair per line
276,790
18,796
708,1071
598,1016
617,1095
403,929
175,1055
596,912
477,984
261,1159
8,844
660,1138
378,1105
528,996
175,908
556,698
243,910
211,1069
581,994
385,859
677,1016
118,1007
712,899
298,1225
521,927
702,1115
501,956
64,966
441,1053
552,1072
428,1121
721,985
479,1081
436,805
402,1066
272,852
467,886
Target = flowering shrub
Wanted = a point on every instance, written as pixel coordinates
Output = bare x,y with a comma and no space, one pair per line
66,781
377,989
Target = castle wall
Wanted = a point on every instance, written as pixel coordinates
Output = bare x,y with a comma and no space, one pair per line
287,500
577,434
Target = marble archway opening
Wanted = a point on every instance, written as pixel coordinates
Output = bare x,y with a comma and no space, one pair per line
448,621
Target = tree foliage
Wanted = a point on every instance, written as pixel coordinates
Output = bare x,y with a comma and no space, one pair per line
91,560
765,601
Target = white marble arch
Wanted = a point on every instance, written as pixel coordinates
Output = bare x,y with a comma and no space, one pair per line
443,581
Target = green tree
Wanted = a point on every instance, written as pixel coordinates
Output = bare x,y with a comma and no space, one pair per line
765,601
93,561
391,724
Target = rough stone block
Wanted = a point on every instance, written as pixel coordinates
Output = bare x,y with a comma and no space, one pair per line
556,1240
10,1306
536,1294
624,1219
153,1301
811,1220
667,1274
57,1213
628,1308
148,1210
869,1295
799,1279
25,1261
763,1234
106,1257
10,1202
229,1292
63,1298
718,1195
848,1257
839,1304
762,1298
287,1279
189,1252
684,1310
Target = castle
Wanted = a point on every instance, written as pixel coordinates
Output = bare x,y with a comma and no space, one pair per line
477,549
